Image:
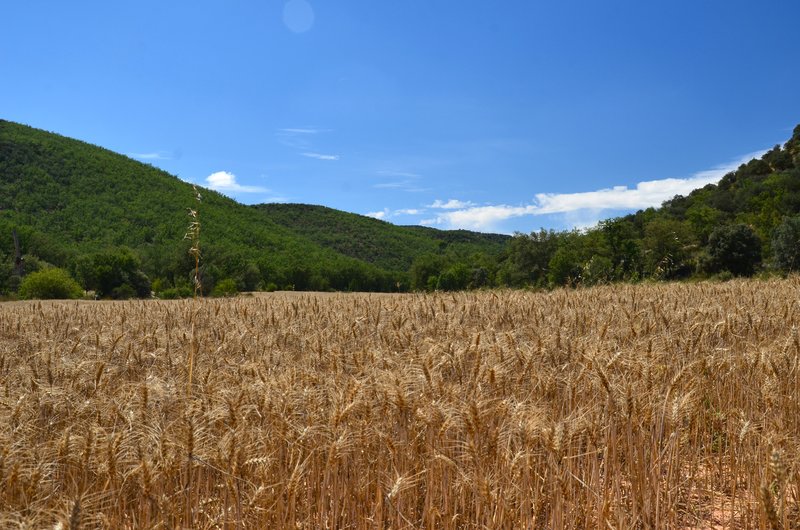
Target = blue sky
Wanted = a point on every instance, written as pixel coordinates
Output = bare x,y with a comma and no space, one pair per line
494,116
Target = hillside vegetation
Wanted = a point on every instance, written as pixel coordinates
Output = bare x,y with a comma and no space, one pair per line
117,226
374,241
746,223
84,208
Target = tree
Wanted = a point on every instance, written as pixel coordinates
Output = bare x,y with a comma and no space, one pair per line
528,256
786,244
423,269
114,273
6,273
793,146
703,219
622,240
735,248
666,248
250,277
50,284
455,278
564,267
598,270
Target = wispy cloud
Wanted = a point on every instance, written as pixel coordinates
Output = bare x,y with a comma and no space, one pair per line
226,181
299,138
270,200
452,204
402,184
400,180
158,155
394,173
319,156
582,208
302,130
407,211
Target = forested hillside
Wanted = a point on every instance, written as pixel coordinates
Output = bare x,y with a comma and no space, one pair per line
374,241
118,228
108,219
746,223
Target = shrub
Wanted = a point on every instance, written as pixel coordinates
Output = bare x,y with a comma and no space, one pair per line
123,292
226,287
173,293
50,284
724,276
159,284
268,287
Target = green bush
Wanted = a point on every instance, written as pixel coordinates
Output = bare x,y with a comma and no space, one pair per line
174,293
268,287
159,284
50,284
724,276
123,292
226,287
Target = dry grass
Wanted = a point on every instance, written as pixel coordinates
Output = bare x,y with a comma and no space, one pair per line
663,406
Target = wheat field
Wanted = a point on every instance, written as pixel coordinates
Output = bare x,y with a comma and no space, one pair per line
649,406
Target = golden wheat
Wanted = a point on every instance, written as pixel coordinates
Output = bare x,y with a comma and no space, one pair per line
651,406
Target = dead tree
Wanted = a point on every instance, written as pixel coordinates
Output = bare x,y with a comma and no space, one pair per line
19,268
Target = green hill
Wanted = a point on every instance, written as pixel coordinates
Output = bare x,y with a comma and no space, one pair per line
374,241
69,200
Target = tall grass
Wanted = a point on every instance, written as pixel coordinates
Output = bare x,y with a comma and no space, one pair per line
193,235
654,406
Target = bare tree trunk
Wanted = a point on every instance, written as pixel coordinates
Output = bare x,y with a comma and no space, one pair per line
18,260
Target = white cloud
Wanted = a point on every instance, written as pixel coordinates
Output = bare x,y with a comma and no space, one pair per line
644,195
319,156
159,155
226,181
379,214
452,204
386,213
480,217
583,209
